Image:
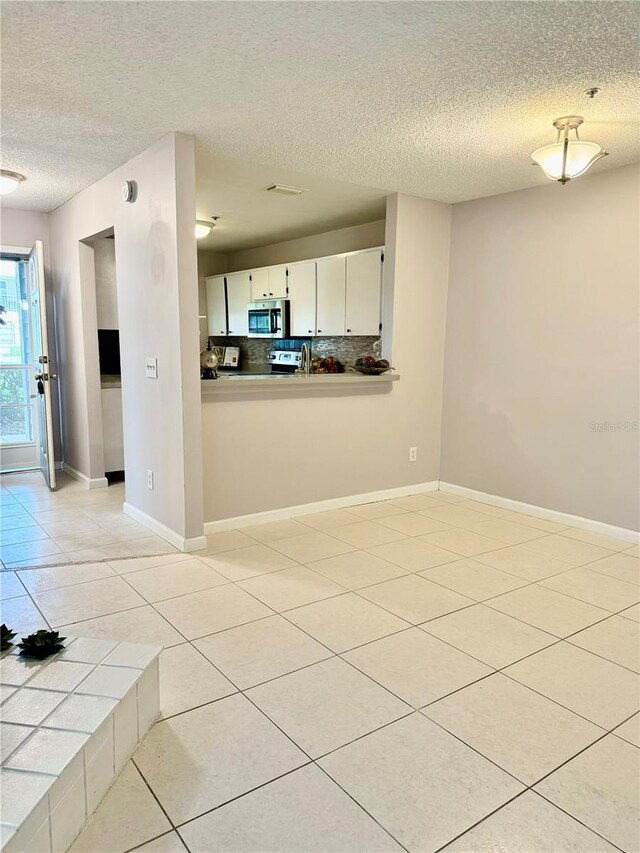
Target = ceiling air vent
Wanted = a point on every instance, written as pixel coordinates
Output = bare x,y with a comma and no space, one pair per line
283,190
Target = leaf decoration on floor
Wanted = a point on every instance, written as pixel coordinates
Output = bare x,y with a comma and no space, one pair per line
6,636
41,644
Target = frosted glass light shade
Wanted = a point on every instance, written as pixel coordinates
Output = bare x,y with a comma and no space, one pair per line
580,156
202,228
9,181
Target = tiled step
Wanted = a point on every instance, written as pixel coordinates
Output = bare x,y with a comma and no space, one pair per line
68,726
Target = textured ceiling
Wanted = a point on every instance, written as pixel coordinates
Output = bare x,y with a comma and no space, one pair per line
439,99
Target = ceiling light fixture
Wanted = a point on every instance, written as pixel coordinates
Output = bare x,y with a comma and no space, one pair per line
203,227
566,158
10,181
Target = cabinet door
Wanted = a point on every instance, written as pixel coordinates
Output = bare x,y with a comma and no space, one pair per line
259,284
364,292
216,306
331,296
302,299
278,282
238,297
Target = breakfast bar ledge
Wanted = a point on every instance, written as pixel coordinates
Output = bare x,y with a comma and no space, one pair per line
295,384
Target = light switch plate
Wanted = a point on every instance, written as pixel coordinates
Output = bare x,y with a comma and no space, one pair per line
151,368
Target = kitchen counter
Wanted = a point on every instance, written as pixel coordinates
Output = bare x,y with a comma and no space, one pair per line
293,383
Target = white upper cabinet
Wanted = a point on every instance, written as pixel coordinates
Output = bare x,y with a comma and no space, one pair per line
278,282
302,299
331,296
334,296
364,293
238,297
216,306
259,284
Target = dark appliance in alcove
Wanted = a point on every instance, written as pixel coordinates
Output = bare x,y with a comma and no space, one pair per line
109,352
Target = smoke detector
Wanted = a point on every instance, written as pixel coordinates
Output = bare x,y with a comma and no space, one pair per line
281,189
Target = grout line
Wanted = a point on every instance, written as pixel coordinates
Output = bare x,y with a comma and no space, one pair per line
146,841
353,799
240,796
482,820
577,819
132,759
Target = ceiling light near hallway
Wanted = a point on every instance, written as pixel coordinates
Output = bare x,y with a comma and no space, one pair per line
10,181
566,158
203,228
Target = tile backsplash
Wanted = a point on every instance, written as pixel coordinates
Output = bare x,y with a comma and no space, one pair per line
254,351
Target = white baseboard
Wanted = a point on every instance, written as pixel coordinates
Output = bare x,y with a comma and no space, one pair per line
95,483
542,512
196,543
317,506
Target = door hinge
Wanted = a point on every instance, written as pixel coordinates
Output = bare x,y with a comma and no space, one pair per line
380,327
382,258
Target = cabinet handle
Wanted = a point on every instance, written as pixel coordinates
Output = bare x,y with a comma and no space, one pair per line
319,331
348,330
310,332
270,294
264,294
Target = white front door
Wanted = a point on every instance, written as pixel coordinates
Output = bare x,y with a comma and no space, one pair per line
43,374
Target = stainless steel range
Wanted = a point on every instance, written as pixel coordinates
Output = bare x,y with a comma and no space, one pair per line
284,361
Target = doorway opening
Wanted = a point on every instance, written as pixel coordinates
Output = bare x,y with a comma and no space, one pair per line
108,330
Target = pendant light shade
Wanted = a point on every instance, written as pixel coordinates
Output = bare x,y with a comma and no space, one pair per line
566,158
9,181
203,227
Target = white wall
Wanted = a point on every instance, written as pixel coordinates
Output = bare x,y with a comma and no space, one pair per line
23,228
158,310
365,236
104,251
262,454
542,343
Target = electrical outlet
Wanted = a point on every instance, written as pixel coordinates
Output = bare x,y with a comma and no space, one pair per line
150,479
413,454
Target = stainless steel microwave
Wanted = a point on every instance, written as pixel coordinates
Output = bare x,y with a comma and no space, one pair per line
268,319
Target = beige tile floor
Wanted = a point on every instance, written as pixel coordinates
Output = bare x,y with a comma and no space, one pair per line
424,674
71,525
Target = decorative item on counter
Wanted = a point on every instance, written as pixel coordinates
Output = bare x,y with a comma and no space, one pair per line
41,644
371,366
6,636
208,363
329,364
